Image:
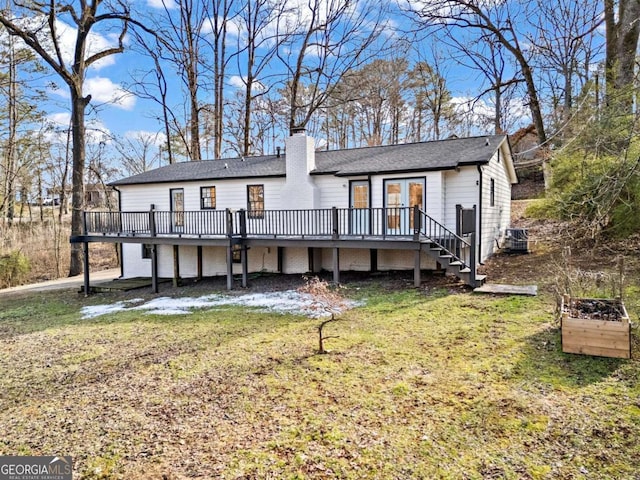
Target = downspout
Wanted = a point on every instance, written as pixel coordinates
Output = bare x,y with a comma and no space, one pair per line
479,219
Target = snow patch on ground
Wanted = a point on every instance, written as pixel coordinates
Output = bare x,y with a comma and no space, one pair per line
288,301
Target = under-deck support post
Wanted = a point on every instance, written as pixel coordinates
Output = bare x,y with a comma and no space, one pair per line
154,268
373,259
472,261
230,266
199,263
85,247
280,259
229,215
417,280
176,266
245,266
336,266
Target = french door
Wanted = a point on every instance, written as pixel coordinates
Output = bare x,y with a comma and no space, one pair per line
359,203
177,210
400,196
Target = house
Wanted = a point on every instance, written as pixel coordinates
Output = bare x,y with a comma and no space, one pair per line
98,195
419,206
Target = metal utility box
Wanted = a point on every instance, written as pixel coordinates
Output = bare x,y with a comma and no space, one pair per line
516,240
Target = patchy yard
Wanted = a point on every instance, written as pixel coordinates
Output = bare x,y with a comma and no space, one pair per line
419,384
429,383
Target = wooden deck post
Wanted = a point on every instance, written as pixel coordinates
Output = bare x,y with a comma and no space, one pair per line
336,266
335,222
176,266
152,220
229,215
199,263
417,280
472,261
245,266
280,259
85,247
154,268
230,266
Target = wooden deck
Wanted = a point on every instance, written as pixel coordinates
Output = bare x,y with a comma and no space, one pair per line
406,228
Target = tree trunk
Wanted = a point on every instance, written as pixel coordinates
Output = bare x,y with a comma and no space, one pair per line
79,105
621,48
10,171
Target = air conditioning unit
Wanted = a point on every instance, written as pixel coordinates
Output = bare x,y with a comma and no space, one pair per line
516,240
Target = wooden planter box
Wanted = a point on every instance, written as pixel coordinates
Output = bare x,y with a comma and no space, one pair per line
593,326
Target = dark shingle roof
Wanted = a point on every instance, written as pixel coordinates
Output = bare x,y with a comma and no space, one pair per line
423,156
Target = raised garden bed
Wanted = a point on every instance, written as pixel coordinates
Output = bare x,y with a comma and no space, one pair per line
595,326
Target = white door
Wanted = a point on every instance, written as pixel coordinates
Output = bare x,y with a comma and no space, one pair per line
401,195
360,215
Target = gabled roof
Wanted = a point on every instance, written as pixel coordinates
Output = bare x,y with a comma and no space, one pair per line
409,157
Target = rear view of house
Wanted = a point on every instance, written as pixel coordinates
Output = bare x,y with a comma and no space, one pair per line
420,206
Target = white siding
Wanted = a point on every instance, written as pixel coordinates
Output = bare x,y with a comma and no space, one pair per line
497,218
461,188
403,260
334,191
229,194
359,260
351,259
134,265
443,191
214,261
296,260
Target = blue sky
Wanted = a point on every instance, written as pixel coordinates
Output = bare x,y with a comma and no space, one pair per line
113,112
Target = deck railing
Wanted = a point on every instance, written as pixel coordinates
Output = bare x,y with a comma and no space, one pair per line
409,222
327,222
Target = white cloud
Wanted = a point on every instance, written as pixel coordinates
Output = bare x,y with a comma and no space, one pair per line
66,35
95,43
105,91
236,81
168,4
156,138
60,119
60,122
233,28
479,114
241,83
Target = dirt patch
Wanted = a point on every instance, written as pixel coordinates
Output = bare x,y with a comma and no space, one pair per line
557,260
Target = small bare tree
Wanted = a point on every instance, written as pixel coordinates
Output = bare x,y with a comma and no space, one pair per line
327,302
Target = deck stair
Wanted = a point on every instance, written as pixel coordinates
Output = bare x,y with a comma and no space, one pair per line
456,254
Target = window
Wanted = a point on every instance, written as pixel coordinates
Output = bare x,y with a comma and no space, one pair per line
207,197
177,209
492,193
236,254
146,250
255,201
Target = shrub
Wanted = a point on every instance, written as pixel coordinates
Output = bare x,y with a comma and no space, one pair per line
598,193
14,268
542,208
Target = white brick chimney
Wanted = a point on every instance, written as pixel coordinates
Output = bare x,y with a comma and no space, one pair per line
300,190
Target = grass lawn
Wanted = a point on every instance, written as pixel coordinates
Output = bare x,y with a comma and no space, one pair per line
419,384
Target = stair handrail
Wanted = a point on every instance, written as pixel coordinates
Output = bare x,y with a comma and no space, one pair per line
428,226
